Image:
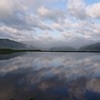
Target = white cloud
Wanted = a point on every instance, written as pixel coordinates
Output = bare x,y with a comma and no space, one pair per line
93,10
52,14
42,21
35,22
57,27
15,34
6,8
76,8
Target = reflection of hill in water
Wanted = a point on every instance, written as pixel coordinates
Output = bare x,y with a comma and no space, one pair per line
9,56
51,76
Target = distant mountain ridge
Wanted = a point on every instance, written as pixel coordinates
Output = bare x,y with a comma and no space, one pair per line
10,44
91,47
62,48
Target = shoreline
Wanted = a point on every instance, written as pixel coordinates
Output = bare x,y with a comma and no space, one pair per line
10,51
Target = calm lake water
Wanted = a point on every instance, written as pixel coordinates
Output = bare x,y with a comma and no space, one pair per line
50,76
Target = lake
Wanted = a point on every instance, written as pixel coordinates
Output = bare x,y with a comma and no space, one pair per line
50,76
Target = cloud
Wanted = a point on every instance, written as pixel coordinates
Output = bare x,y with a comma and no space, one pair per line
93,10
35,22
49,22
6,8
57,27
51,14
76,9
15,34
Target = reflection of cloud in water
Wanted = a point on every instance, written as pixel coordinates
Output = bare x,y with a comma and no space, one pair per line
60,75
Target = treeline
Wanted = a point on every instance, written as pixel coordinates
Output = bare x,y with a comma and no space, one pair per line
29,99
8,51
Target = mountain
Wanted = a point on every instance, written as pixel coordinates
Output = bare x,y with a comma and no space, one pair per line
92,47
62,48
10,44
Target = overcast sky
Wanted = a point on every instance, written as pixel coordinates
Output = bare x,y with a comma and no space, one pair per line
48,23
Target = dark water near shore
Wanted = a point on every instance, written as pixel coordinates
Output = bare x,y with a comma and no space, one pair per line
50,76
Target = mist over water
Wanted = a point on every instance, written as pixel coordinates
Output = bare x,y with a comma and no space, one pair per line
50,76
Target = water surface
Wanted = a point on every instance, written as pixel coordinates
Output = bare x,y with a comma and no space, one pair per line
50,76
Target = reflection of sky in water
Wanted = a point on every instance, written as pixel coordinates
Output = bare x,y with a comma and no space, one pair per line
60,75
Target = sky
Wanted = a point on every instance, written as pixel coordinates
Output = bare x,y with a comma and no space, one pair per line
48,23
